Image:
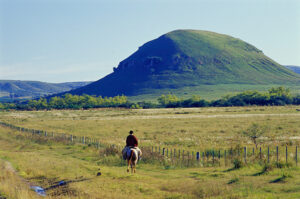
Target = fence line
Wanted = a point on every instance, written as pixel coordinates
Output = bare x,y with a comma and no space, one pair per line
61,136
208,157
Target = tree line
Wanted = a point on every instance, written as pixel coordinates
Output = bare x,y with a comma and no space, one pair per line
68,101
274,97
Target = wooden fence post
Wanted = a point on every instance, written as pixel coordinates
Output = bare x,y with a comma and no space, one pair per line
213,154
219,157
286,154
225,162
260,152
277,154
245,154
296,157
207,156
174,153
268,154
188,158
163,153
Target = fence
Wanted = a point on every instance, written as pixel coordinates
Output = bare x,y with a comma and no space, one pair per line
225,157
60,136
185,158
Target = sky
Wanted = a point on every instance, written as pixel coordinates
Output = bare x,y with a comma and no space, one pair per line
82,40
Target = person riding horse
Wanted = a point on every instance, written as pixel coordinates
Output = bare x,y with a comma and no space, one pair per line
131,140
131,152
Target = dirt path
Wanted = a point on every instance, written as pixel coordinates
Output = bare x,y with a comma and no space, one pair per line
7,166
187,116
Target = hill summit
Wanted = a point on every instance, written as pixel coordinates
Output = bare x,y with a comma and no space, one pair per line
188,58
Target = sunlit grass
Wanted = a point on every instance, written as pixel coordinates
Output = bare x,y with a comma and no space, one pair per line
43,162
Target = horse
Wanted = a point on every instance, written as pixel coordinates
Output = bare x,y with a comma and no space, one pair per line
132,156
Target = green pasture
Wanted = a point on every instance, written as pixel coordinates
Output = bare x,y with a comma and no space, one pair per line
190,128
209,92
32,160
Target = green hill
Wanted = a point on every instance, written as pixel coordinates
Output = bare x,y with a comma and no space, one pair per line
188,60
295,69
15,89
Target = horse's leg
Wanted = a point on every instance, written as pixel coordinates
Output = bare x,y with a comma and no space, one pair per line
134,170
128,163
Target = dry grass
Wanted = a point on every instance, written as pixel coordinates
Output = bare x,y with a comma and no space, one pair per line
13,185
195,128
45,162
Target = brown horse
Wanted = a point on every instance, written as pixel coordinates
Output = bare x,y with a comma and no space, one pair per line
132,158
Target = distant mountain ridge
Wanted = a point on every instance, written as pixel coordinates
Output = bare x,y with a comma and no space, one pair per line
16,89
295,69
189,59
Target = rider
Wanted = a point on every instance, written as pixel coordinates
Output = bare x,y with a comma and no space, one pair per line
131,140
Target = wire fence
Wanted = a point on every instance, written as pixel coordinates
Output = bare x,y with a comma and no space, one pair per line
185,158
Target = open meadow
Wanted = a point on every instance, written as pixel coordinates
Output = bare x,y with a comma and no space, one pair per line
32,160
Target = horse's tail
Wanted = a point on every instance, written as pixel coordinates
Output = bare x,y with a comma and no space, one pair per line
130,157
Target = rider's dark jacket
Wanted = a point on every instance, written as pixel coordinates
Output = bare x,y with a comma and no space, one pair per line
131,141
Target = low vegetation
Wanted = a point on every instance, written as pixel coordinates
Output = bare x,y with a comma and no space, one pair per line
274,97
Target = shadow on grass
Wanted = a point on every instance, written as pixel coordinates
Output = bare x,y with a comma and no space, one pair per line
281,179
234,180
237,164
231,169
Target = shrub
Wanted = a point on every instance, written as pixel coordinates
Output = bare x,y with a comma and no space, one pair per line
109,151
237,163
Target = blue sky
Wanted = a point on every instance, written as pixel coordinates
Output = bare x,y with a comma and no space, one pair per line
82,40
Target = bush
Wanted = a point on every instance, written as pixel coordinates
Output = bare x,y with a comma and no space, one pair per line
109,151
151,157
237,163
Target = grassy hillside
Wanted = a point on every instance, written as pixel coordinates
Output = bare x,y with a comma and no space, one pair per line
295,69
208,92
14,89
189,59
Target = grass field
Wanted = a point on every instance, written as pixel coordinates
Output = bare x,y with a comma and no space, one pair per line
27,160
209,92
